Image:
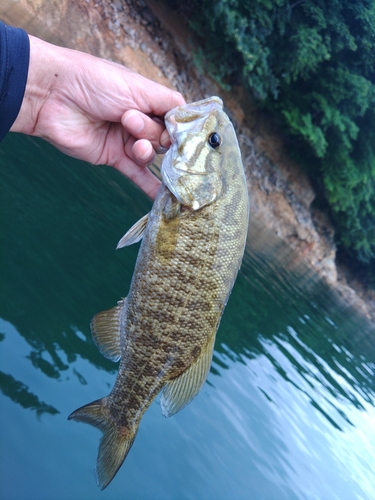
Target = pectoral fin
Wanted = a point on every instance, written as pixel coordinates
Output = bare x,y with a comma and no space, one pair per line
178,392
134,234
106,329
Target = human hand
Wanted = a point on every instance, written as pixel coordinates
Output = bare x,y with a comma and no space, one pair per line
96,110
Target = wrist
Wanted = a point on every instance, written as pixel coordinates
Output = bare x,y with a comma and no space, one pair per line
43,67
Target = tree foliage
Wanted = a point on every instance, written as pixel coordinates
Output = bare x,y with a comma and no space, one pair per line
312,62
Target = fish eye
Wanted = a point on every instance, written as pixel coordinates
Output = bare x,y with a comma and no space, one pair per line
214,140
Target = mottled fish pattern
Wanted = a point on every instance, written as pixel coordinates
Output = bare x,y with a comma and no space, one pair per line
192,246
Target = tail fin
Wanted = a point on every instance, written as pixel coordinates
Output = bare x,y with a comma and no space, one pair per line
115,443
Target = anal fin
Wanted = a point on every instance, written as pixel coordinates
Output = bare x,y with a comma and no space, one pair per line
178,392
107,328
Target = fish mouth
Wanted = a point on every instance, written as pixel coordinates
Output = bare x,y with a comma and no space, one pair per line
194,110
191,117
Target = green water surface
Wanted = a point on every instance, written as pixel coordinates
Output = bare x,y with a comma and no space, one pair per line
288,408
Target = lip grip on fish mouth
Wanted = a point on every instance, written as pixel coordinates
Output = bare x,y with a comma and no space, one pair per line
192,167
164,332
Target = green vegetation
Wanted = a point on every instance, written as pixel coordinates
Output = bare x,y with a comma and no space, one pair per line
312,62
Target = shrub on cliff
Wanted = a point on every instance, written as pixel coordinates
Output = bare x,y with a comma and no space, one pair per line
312,62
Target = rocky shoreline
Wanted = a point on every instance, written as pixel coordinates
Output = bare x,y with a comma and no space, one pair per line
153,40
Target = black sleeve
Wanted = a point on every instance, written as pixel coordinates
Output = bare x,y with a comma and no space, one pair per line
14,67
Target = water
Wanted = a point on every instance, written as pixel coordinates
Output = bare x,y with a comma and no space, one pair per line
288,408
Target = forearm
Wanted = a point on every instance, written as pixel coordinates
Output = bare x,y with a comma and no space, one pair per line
44,68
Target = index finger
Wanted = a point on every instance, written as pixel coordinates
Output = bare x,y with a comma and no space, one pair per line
152,98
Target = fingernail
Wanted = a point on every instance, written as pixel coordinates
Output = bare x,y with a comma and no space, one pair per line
147,154
134,122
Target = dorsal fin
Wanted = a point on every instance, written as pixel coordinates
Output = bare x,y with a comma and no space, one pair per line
134,234
107,327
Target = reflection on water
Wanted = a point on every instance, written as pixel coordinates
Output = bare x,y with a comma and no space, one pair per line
288,409
20,393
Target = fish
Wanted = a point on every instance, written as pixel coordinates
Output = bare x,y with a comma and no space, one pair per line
192,246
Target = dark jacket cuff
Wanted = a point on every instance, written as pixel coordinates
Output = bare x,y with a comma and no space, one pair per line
14,67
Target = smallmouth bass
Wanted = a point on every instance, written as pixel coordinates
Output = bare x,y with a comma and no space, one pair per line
192,246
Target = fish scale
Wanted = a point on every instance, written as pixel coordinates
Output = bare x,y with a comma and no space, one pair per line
192,246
